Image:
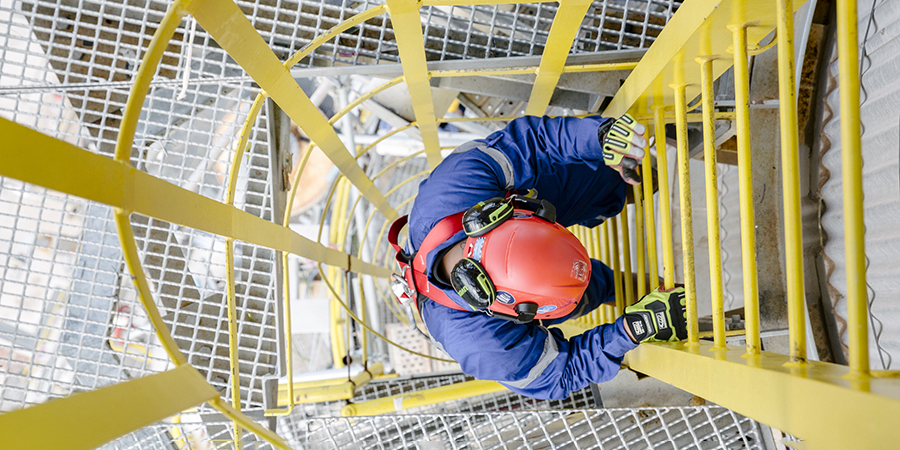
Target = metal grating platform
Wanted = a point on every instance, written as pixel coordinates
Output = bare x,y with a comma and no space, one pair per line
701,427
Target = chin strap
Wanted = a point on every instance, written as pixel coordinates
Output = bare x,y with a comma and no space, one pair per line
525,313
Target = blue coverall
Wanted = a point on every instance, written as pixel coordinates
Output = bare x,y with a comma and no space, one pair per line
562,159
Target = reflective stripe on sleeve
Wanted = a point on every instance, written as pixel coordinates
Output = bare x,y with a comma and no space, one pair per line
549,353
497,156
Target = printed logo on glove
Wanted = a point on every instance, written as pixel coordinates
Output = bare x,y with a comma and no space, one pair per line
659,317
623,146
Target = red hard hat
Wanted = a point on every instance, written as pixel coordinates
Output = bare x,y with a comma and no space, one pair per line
532,260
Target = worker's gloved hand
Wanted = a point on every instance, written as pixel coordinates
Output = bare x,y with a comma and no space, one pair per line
623,146
659,316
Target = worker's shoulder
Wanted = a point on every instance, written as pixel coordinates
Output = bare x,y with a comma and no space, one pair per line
445,322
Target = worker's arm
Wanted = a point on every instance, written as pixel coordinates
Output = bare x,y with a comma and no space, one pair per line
562,158
530,359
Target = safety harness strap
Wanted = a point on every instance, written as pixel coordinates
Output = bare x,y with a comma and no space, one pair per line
413,266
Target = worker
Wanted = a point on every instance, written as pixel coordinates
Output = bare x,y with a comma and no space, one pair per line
488,263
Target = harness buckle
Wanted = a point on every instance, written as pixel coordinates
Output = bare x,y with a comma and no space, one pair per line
401,287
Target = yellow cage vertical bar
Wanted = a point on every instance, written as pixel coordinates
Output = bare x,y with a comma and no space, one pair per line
627,274
640,260
745,174
687,228
665,209
851,159
790,169
616,266
712,202
649,218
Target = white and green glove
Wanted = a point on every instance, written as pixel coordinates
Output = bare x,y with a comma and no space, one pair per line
623,146
659,316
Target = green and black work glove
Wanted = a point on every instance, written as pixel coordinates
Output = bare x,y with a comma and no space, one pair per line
623,146
659,316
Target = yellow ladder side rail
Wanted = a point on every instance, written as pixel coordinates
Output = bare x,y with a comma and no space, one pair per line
851,159
596,247
339,344
821,403
233,342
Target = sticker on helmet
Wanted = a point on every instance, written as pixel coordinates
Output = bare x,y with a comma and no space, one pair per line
579,270
546,309
505,297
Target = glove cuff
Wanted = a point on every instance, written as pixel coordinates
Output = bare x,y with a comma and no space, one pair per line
640,323
603,129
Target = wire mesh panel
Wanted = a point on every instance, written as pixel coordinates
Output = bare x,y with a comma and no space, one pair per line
187,431
69,320
491,31
701,427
